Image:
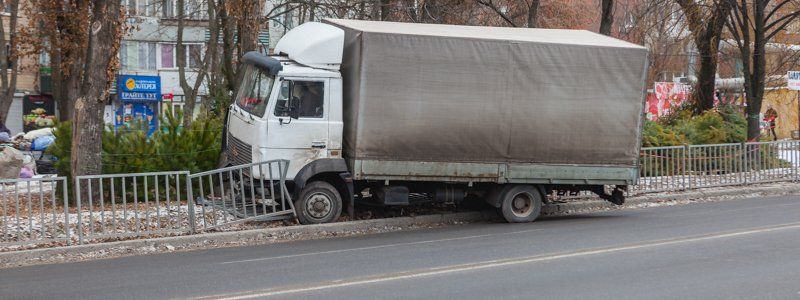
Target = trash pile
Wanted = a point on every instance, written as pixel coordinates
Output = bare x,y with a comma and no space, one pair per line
20,154
34,140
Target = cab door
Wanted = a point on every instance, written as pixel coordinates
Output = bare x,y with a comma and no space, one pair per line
298,122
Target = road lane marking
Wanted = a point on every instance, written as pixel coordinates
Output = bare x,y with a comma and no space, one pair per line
724,211
382,246
414,274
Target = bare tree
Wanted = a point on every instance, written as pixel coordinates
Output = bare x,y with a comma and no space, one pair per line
706,20
9,59
190,91
530,7
606,16
753,24
59,28
103,37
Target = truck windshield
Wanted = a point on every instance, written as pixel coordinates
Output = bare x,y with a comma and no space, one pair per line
254,91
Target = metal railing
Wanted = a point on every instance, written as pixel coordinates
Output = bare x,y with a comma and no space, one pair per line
698,166
30,210
139,204
117,206
250,192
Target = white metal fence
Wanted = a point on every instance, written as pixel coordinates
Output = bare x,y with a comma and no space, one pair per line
697,166
117,206
31,211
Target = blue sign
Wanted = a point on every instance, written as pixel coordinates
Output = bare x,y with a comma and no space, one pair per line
133,114
139,88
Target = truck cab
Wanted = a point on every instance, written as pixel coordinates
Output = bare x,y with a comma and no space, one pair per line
289,106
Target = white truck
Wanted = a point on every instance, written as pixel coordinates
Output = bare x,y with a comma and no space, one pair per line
395,113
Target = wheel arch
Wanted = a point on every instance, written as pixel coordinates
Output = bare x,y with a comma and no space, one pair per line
330,170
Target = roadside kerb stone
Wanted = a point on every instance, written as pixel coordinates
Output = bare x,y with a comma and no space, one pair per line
233,238
739,191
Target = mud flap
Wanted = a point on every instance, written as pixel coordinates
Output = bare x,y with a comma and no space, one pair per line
617,195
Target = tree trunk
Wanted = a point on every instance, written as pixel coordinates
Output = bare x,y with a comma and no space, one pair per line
65,105
8,57
533,13
227,23
248,34
384,9
706,26
606,17
706,77
758,77
103,44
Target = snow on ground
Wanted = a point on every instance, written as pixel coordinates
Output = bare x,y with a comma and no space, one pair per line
792,156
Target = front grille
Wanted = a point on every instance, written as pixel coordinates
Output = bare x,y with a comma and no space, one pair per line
239,152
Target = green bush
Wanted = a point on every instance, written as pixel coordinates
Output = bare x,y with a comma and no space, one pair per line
171,148
657,135
724,125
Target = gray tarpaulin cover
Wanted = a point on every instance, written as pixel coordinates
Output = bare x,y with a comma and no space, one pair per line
444,93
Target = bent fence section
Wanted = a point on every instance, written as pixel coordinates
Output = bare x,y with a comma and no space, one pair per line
251,192
118,206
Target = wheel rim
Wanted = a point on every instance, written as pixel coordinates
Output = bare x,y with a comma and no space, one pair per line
319,206
522,205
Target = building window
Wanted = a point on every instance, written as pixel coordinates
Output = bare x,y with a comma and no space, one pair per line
142,8
9,62
135,55
192,9
194,56
167,56
44,59
169,9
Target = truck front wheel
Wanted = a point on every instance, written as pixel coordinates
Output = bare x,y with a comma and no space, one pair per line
319,202
520,203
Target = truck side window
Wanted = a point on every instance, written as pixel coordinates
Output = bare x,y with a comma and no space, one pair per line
307,98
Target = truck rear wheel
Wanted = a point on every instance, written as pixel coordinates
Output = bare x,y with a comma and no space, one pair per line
520,203
319,202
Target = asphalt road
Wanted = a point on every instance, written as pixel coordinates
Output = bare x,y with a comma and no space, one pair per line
740,249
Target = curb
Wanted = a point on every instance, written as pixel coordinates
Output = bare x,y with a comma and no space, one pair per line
305,232
249,237
560,208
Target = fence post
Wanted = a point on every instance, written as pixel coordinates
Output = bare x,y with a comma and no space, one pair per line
190,200
687,167
745,162
794,159
65,194
78,209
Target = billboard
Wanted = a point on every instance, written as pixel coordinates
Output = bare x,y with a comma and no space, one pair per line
139,88
666,97
139,97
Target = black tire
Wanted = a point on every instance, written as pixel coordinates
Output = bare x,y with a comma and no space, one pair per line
319,202
520,203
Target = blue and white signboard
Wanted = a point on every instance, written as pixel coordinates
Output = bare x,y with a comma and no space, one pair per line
139,97
139,88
